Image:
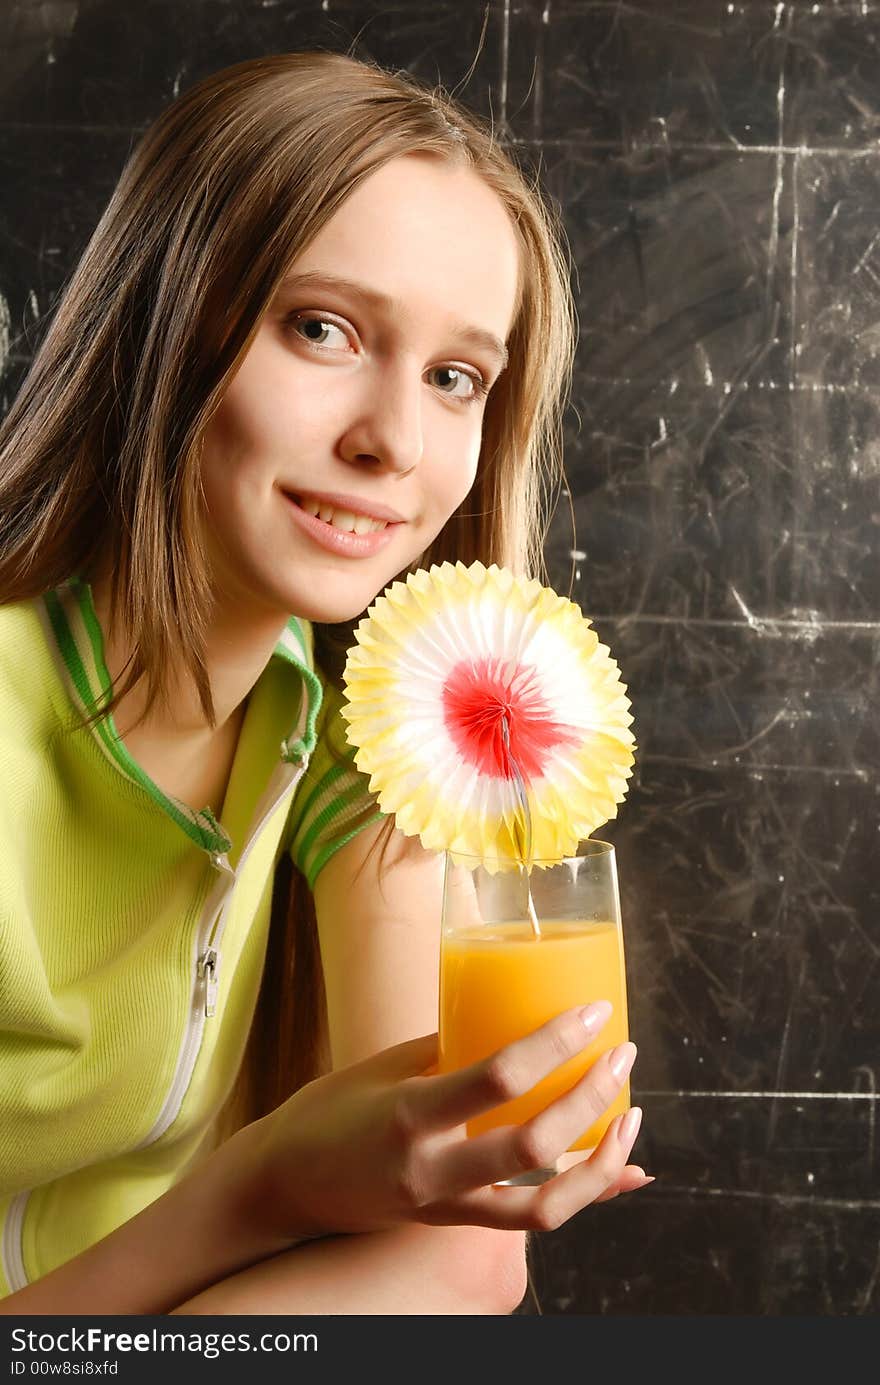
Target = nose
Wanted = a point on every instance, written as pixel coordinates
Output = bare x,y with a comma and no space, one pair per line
385,428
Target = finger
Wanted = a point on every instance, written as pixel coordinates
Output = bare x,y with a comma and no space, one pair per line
538,1142
565,1120
453,1098
631,1179
590,1182
545,1208
572,1157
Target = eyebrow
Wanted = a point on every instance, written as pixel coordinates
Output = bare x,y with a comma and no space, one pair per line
476,336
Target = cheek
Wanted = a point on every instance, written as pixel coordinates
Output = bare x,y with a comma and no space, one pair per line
454,480
245,420
267,409
447,485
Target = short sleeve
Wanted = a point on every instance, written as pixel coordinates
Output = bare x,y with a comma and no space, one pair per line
333,800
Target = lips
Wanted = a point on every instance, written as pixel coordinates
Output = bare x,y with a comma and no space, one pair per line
335,540
342,518
355,504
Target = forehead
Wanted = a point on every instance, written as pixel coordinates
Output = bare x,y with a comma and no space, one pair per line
431,237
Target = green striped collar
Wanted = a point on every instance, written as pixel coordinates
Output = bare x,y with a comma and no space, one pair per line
80,642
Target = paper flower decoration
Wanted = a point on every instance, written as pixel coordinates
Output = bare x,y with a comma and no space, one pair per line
490,719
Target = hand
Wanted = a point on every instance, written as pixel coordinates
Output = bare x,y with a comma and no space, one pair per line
384,1141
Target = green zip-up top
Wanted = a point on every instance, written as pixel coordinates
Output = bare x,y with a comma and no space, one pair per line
132,927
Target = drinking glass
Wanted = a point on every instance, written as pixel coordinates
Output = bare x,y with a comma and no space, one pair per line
500,978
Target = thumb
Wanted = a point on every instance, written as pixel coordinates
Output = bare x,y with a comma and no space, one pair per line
408,1059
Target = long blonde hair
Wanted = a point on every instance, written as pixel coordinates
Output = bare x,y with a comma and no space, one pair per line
100,451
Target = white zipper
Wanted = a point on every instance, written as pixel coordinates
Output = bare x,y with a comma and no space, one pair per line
206,943
208,969
13,1262
206,972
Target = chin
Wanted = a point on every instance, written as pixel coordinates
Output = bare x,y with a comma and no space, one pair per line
337,604
330,612
329,617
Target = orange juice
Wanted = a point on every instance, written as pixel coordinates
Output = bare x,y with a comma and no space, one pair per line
499,982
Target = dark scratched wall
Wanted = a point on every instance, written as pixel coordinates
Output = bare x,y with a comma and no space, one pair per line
718,170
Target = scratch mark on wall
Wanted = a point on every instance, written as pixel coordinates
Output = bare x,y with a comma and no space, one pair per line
5,332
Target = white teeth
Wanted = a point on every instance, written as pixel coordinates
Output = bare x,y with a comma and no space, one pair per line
345,520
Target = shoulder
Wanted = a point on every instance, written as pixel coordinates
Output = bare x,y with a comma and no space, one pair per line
30,690
333,801
19,622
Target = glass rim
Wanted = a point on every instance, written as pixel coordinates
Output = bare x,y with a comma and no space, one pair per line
595,846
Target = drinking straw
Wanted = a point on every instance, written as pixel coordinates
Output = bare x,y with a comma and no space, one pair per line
523,839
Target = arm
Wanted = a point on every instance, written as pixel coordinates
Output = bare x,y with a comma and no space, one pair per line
380,949
197,1233
377,1148
408,1271
390,933
373,1147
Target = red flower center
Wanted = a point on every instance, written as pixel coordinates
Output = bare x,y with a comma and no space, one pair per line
498,720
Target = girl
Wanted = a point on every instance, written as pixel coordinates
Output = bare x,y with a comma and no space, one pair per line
320,338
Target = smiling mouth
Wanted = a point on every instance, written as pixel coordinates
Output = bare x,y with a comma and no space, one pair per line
345,520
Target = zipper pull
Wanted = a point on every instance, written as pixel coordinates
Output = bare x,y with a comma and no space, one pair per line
220,861
209,972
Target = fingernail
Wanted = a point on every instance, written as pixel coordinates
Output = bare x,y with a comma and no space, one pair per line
621,1059
629,1126
595,1015
644,1178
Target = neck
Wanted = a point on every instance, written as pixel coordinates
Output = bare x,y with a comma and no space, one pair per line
238,648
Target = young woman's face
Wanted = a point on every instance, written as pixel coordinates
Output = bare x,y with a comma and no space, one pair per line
362,399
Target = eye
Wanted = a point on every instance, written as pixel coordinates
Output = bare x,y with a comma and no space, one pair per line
316,328
478,388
